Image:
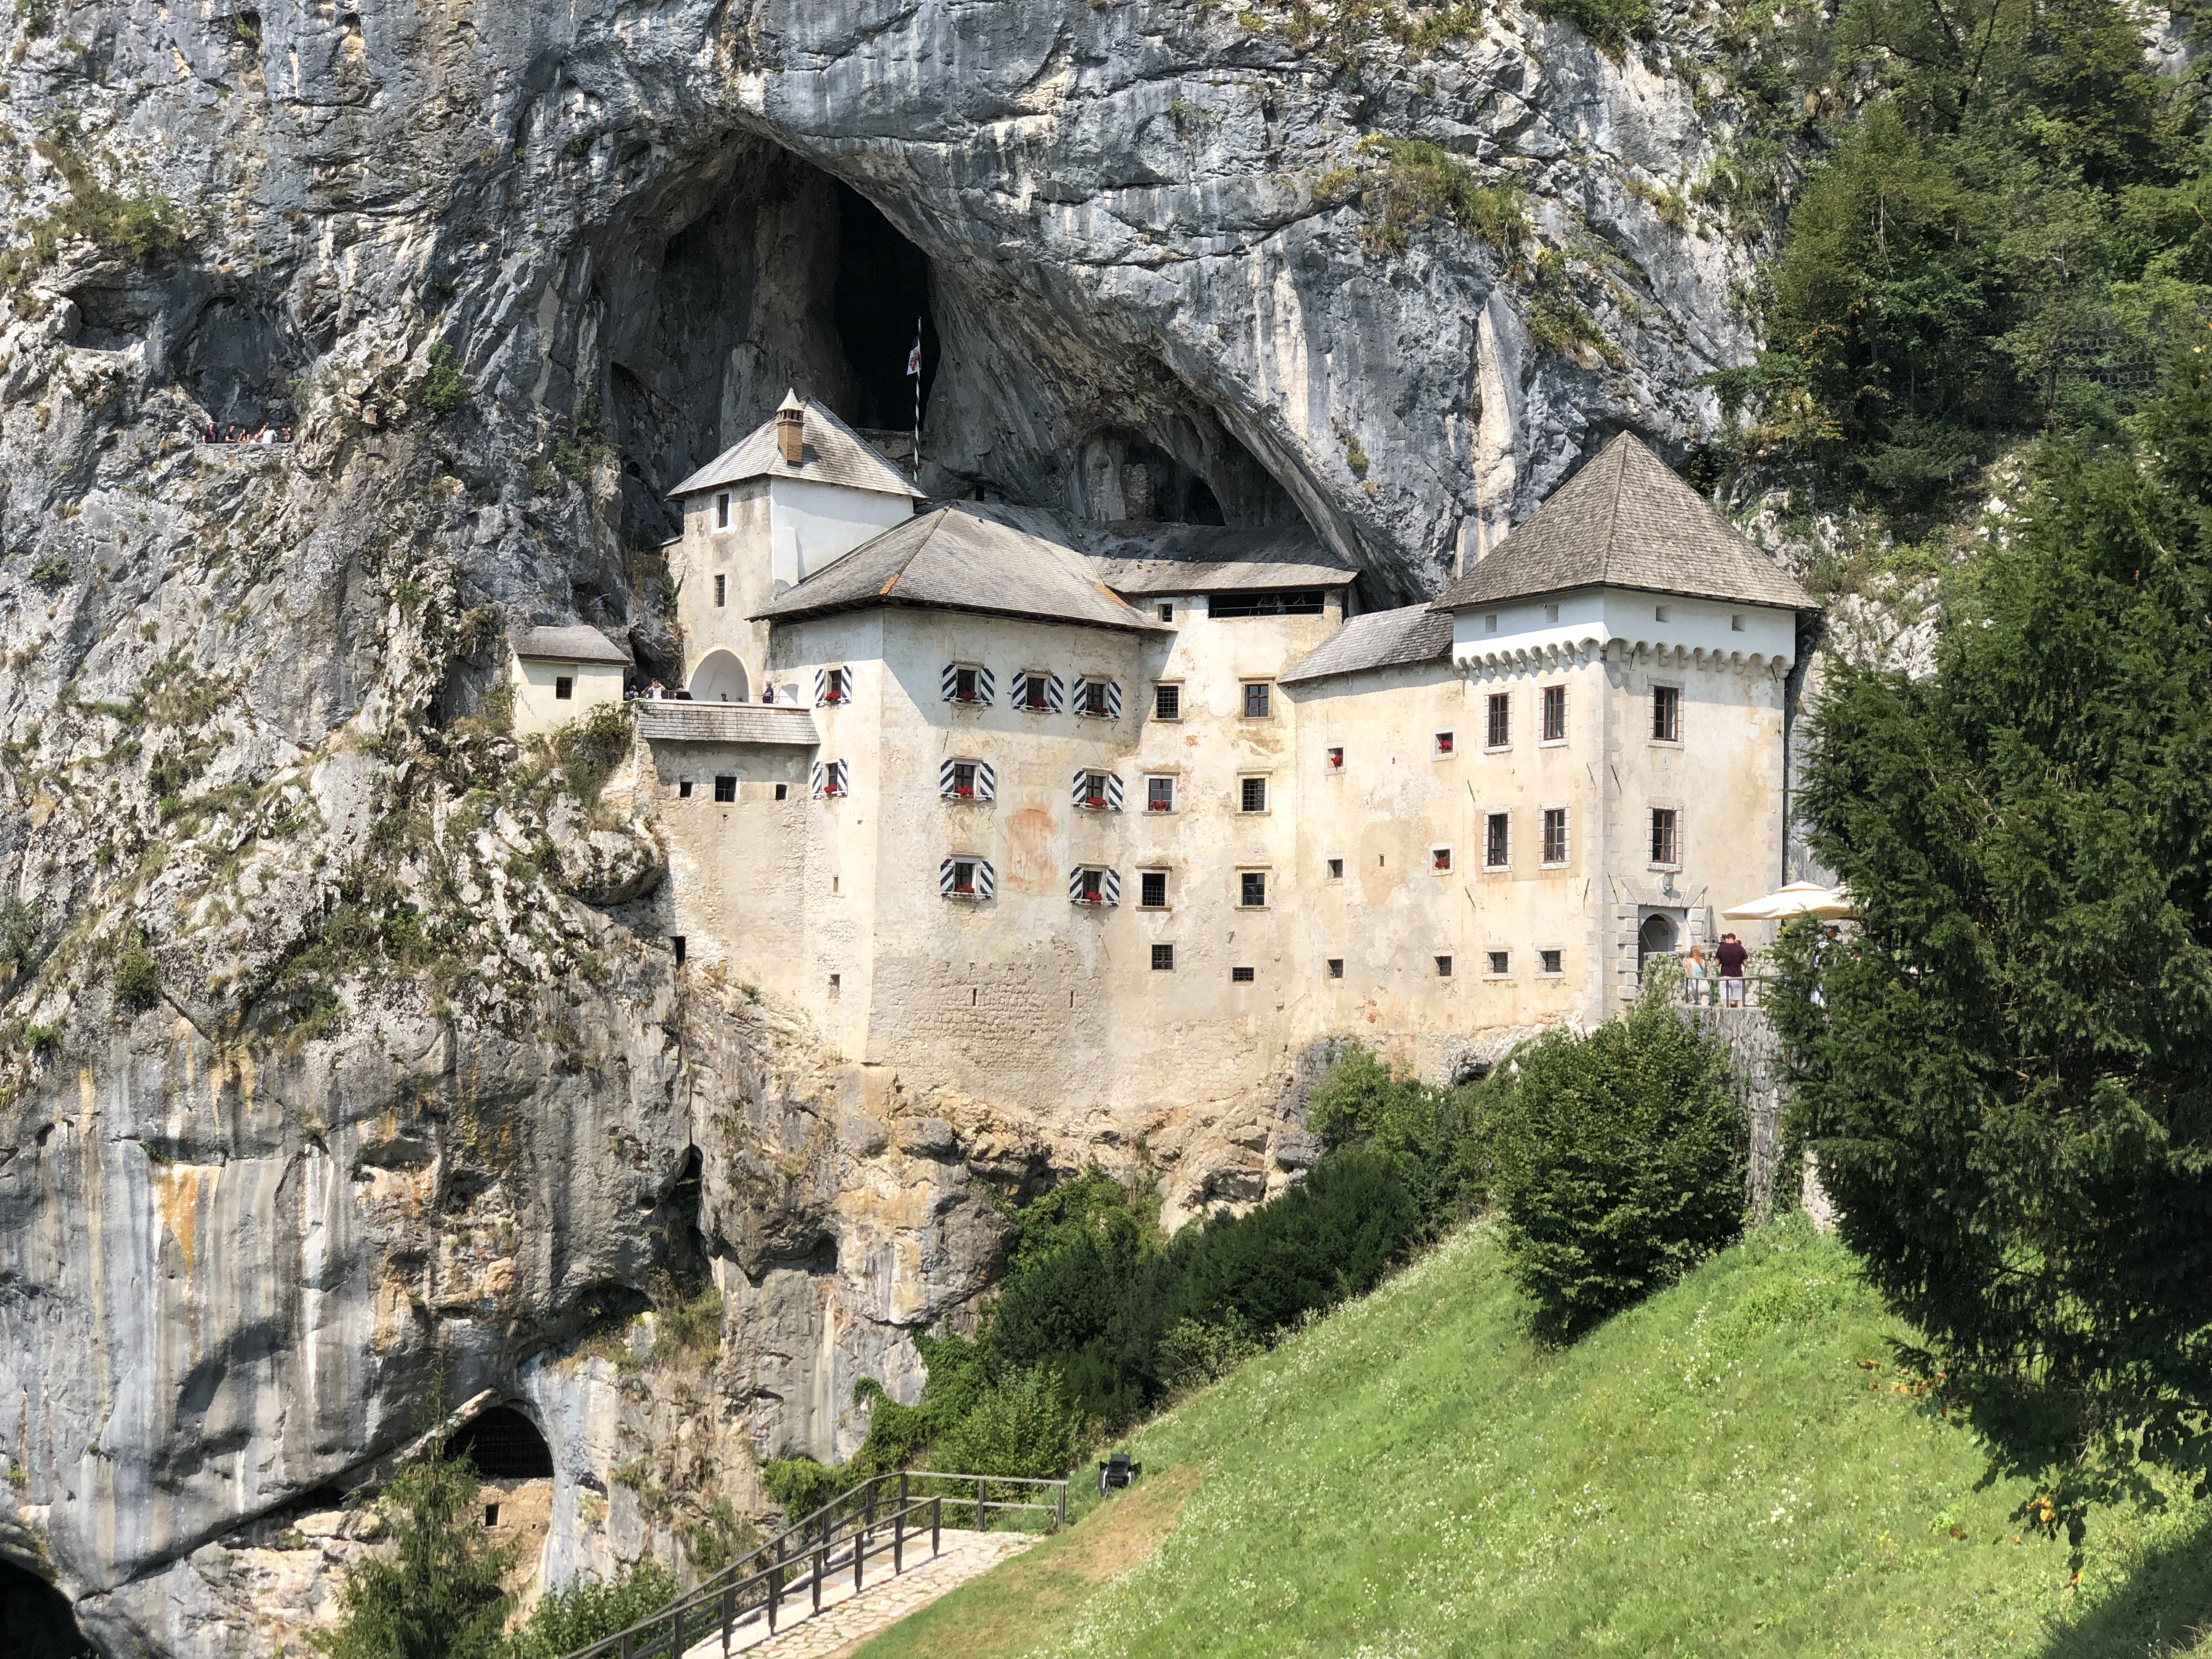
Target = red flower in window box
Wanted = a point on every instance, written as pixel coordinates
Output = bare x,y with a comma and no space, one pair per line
1094,800
1092,898
967,793
1159,806
969,698
963,892
829,697
831,792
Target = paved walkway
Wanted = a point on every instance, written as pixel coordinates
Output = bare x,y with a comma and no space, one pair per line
845,1620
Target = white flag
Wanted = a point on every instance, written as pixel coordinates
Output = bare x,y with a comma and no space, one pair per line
913,359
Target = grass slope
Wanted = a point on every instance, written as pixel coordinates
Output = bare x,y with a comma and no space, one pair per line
1718,1472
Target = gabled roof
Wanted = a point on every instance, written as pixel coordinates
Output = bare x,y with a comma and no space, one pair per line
833,454
1381,639
665,720
959,559
579,644
1626,520
1197,558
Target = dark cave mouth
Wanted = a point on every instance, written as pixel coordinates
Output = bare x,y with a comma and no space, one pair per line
881,304
36,1619
504,1445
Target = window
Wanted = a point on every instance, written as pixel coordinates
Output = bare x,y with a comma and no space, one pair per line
1252,890
1443,967
1736,621
1501,962
833,780
967,780
1254,795
1099,700
1336,869
1256,700
1336,967
832,687
723,511
1096,792
1159,795
684,788
1286,602
1551,613
1658,613
836,985
1167,703
1666,847
963,877
676,939
1440,860
1489,623
1240,976
1547,962
721,591
725,788
1153,890
564,687
1167,612
783,792
1336,757
1497,841
965,683
1088,886
1038,693
1665,713
1497,720
1445,743
1162,958
1555,713
1555,835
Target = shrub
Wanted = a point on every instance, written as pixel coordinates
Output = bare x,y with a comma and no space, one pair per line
802,1485
1421,181
1019,1424
584,1611
1621,1165
443,390
137,981
1433,1138
52,571
436,1593
590,749
1611,24
19,933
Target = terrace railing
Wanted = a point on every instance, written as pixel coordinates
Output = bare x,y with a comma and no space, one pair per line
883,1517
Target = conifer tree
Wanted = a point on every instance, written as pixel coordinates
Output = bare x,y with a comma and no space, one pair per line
436,1594
2007,1079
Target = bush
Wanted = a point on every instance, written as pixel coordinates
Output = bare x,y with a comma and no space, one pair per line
52,571
802,1485
584,1611
1434,1138
1421,181
19,933
137,981
1611,23
443,390
1621,1165
1018,1424
436,1593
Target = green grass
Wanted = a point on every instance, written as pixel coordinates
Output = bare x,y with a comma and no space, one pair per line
1715,1472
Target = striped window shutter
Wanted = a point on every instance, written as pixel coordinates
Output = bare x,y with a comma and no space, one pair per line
1076,785
1113,701
983,683
821,777
986,883
947,680
840,777
1075,886
944,777
1056,694
1018,689
1113,791
821,686
986,781
1082,685
945,879
1113,885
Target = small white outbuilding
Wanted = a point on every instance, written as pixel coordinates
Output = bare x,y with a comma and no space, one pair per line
563,674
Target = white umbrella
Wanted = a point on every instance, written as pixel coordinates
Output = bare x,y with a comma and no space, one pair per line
1799,898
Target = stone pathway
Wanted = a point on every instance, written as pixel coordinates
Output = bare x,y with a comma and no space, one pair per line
845,1620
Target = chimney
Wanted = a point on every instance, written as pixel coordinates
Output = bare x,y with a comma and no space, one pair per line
791,428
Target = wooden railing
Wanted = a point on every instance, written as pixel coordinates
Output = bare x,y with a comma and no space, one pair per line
885,1515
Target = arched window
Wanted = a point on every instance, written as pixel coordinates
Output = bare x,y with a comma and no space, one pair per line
1655,938
719,677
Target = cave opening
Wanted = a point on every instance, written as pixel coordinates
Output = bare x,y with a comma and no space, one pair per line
35,1619
504,1444
881,299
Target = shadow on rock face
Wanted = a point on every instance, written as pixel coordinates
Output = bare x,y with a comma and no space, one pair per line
237,361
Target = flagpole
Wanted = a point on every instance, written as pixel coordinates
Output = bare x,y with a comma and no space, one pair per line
914,368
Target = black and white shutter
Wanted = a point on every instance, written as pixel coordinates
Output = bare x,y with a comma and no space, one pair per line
944,777
1113,885
1109,884
832,777
1079,787
979,869
821,777
986,884
1113,791
987,779
1113,698
1018,689
1056,695
949,682
821,687
946,871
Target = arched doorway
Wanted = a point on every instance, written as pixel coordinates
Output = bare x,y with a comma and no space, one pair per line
719,677
1656,937
35,1619
504,1444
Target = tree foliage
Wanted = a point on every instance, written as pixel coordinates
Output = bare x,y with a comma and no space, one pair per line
436,1592
1620,1160
2006,1085
586,1610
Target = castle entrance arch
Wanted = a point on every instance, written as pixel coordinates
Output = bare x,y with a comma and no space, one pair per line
719,677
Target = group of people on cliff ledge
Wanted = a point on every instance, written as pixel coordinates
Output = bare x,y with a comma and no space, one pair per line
264,434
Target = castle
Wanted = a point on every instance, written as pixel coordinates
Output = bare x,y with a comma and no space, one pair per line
1085,815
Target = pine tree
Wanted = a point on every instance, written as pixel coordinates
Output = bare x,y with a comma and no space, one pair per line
2006,1079
436,1594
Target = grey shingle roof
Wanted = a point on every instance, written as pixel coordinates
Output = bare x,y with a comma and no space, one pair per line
1413,633
1196,558
664,721
835,453
578,644
1626,520
960,558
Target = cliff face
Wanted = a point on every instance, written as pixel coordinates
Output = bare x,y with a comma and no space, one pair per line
344,1063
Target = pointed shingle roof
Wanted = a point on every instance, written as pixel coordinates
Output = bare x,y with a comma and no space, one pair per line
957,558
833,454
1626,520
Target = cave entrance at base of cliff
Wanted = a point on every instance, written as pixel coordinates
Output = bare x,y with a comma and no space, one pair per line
36,1621
504,1444
882,293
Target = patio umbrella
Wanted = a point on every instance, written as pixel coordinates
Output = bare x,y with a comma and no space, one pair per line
1799,898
